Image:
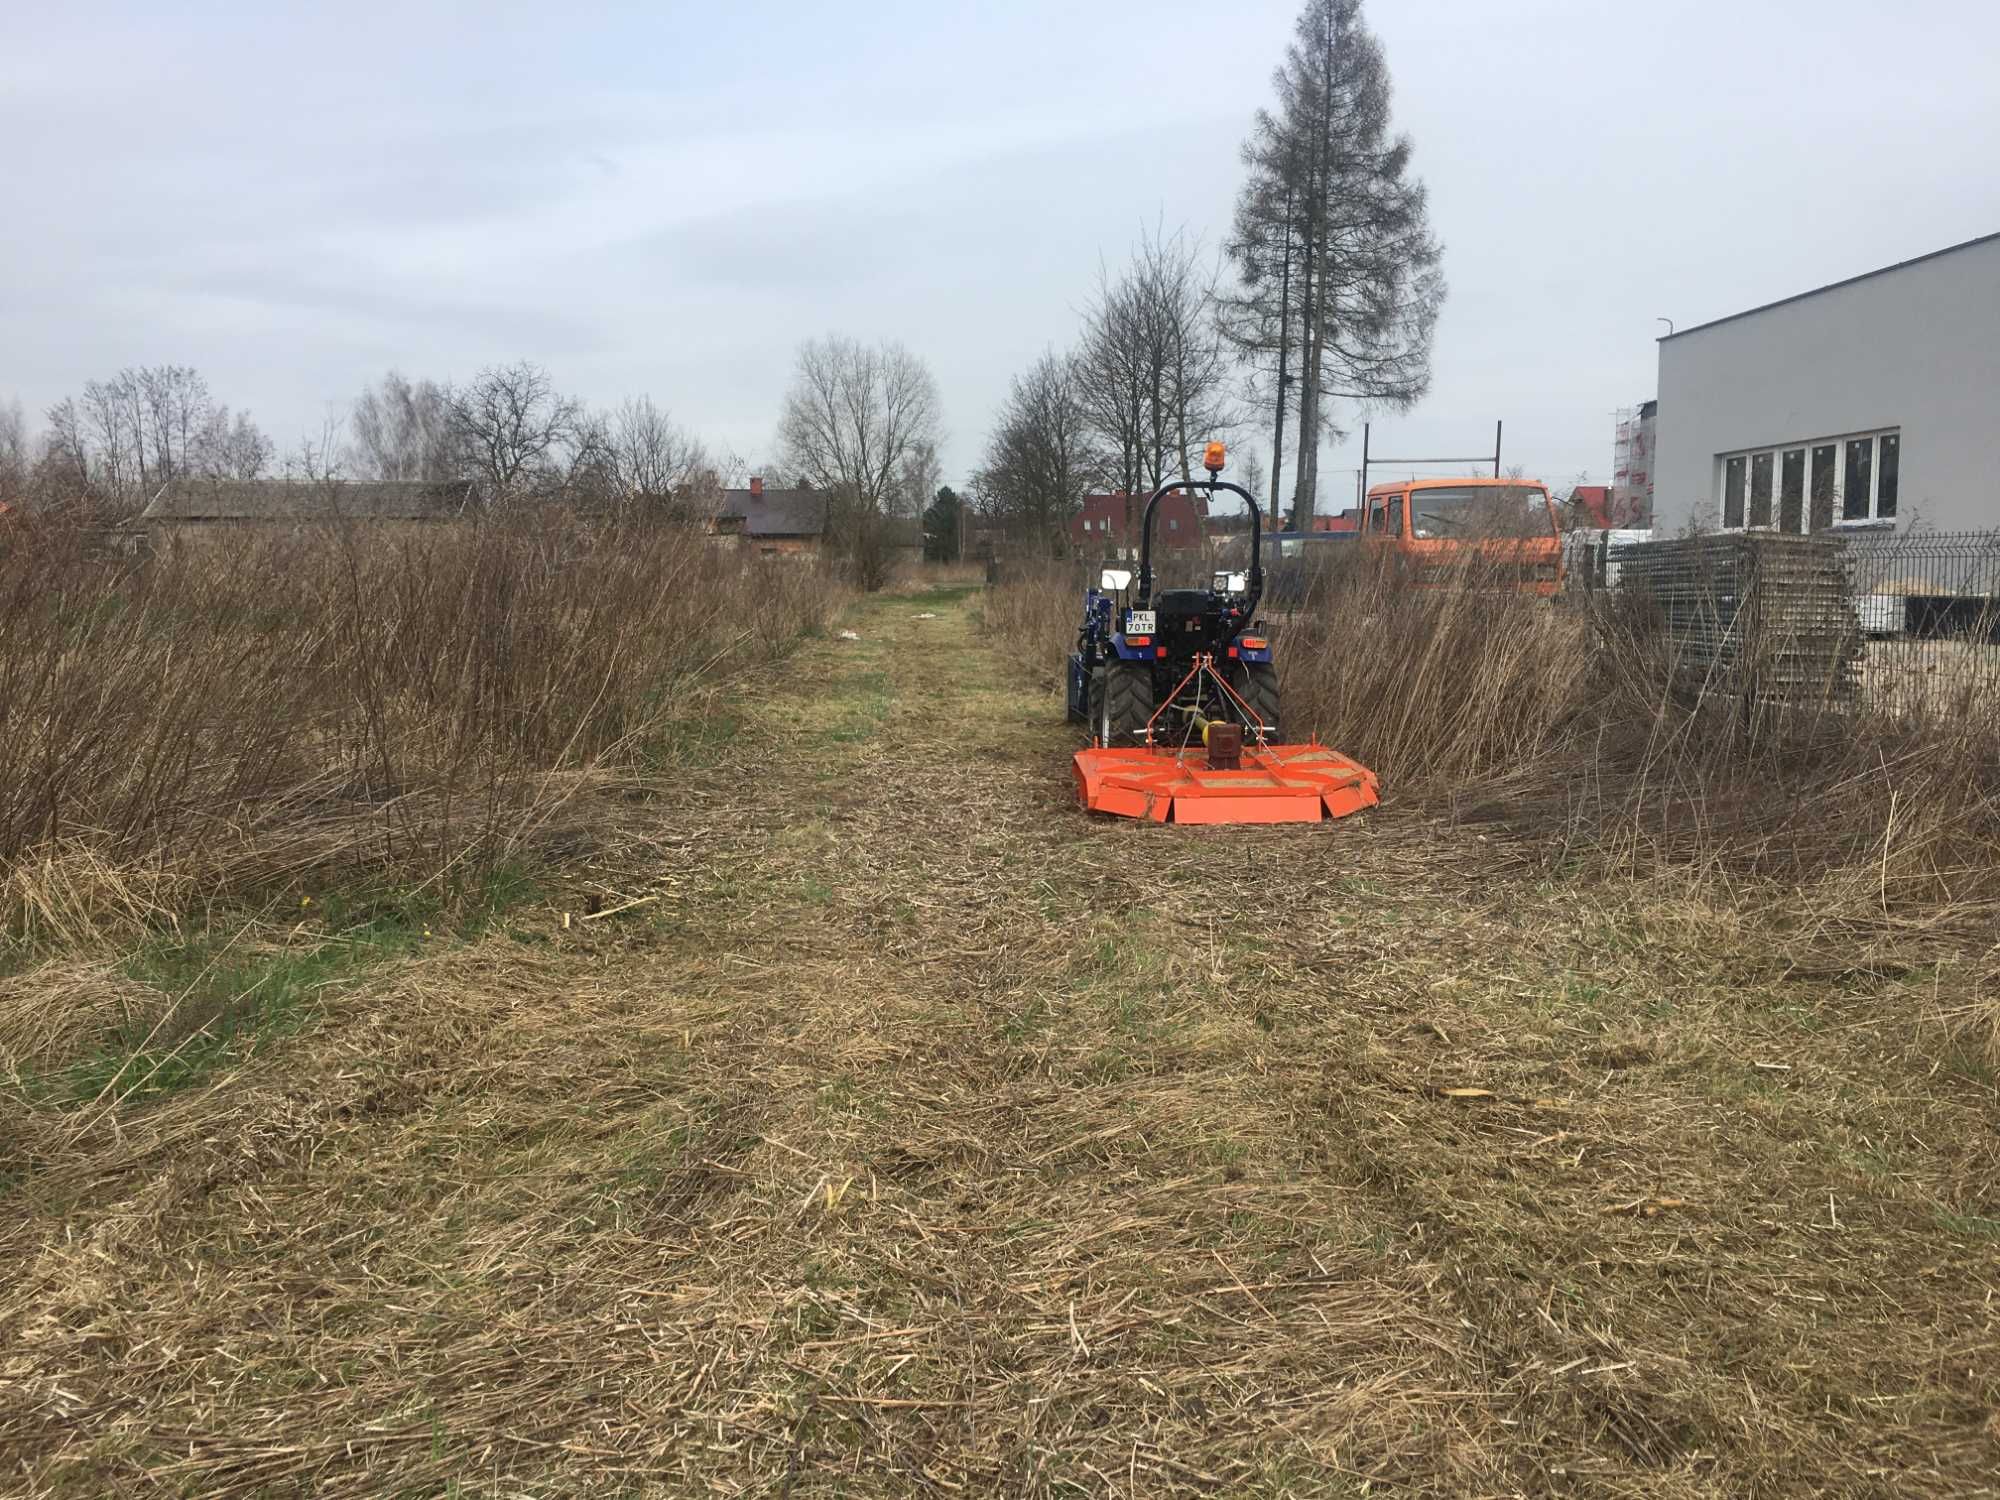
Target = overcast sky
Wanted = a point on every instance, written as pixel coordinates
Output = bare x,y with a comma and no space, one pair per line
665,198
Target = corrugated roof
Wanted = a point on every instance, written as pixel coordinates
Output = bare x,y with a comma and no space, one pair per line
1751,312
286,500
798,512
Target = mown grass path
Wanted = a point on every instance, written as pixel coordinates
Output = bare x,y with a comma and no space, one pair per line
903,1130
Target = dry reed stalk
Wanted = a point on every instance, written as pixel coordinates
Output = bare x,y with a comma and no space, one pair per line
247,710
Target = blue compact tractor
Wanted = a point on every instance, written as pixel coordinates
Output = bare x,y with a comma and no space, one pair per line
1158,669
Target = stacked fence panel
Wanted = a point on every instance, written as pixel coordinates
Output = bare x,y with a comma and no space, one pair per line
1763,616
1906,623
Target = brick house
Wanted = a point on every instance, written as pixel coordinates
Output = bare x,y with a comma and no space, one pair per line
772,522
1098,529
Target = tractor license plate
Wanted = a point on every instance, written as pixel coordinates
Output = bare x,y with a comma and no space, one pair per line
1140,622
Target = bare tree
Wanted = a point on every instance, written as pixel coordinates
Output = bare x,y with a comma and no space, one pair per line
110,431
510,426
175,409
656,462
1042,455
1190,403
1332,240
402,429
64,469
1113,379
1250,472
144,428
853,415
14,465
1153,372
917,481
231,446
321,459
856,424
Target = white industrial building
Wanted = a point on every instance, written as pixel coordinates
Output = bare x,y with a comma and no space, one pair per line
1871,403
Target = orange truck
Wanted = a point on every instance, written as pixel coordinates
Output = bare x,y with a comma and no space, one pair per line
1506,529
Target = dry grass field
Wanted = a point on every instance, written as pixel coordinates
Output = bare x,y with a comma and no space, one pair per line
850,1115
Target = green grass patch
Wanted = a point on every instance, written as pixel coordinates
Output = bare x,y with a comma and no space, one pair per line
221,1002
853,712
1968,1226
223,994
937,598
690,744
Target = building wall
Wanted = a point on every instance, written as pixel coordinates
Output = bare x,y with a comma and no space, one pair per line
1099,526
782,546
1916,349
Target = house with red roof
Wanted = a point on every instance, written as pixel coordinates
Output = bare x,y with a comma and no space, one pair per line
1108,525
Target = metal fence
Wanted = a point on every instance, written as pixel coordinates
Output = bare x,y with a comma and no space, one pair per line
1907,623
1928,604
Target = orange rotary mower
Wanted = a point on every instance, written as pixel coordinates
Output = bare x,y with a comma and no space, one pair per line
1180,692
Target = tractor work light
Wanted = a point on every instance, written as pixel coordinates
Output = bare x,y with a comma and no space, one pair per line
1213,456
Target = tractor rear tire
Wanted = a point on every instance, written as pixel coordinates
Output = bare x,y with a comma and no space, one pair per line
1128,702
1258,683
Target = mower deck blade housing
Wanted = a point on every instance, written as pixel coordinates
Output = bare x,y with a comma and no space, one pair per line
1275,784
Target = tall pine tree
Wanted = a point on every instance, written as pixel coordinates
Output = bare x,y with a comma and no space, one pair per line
1338,272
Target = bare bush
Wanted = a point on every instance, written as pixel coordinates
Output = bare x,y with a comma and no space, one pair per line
240,714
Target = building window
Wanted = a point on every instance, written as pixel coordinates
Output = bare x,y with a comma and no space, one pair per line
1173,524
1859,480
1760,489
1838,481
1825,474
1792,490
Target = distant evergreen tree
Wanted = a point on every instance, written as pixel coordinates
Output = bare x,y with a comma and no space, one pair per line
941,519
1338,272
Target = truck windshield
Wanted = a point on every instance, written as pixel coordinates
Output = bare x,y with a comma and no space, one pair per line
1475,510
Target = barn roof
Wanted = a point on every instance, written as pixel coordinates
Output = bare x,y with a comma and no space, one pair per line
290,500
799,512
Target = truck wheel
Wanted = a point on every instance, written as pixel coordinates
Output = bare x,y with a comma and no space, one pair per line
1128,702
1258,683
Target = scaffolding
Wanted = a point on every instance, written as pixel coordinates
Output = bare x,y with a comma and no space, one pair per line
1632,466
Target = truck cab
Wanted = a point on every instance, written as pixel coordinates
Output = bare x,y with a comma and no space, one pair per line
1507,526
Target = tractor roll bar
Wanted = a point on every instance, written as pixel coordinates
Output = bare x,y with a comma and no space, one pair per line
1144,598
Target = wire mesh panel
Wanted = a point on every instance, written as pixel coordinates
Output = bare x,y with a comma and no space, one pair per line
1904,623
1763,616
1929,607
